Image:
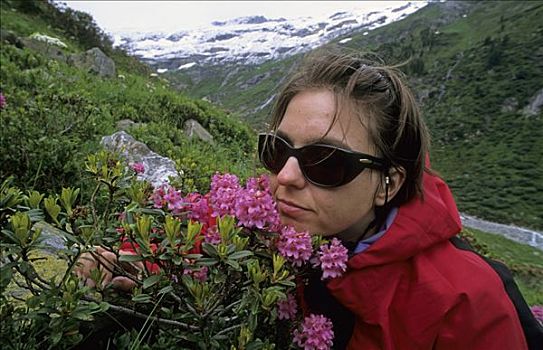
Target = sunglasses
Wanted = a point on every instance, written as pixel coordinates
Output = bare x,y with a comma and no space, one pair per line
321,164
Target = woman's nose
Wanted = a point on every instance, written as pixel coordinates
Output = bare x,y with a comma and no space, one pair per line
291,174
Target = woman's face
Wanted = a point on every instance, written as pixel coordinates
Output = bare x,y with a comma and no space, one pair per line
346,210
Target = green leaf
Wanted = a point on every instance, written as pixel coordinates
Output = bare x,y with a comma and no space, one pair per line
234,264
165,290
210,250
240,254
130,258
142,298
151,281
6,272
207,262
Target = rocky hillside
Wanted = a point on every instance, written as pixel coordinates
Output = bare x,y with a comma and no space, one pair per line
477,70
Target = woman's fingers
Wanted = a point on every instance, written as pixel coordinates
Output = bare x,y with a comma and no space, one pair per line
123,283
106,261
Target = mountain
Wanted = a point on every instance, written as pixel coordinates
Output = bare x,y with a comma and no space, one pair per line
477,70
252,39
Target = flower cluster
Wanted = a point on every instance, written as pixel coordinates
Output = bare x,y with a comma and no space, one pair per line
252,205
295,246
286,309
537,310
316,333
332,259
224,191
167,196
138,168
255,206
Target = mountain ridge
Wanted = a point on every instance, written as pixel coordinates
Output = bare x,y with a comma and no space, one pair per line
252,39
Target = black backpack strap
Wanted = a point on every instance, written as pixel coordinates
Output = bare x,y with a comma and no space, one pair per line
533,331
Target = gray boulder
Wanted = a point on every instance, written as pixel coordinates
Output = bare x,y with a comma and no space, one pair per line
46,48
195,129
94,60
157,168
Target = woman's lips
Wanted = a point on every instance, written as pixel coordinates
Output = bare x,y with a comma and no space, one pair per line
290,209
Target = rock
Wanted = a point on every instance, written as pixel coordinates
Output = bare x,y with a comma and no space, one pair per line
54,238
46,48
193,128
157,168
94,60
534,107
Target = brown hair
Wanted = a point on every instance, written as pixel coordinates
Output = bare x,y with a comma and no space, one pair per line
378,95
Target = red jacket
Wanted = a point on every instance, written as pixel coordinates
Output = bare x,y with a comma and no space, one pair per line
412,289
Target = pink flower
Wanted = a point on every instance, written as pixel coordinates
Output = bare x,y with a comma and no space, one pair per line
537,310
199,275
212,235
223,193
254,206
295,246
198,207
287,308
2,101
167,195
138,168
316,334
332,259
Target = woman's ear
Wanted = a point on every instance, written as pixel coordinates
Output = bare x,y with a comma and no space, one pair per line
391,182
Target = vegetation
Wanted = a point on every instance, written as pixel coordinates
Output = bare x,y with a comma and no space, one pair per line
56,114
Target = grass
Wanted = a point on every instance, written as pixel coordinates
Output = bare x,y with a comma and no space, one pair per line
526,262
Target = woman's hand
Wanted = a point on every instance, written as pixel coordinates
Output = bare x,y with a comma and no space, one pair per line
107,262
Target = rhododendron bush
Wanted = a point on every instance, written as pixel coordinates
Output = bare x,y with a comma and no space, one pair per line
206,270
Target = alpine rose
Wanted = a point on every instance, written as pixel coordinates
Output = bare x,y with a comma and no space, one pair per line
286,309
138,168
333,259
316,334
295,246
223,193
254,206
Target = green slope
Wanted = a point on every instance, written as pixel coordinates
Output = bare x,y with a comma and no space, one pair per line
56,114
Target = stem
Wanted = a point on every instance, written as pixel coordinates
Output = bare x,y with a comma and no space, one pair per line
37,174
130,312
70,267
111,190
93,206
228,329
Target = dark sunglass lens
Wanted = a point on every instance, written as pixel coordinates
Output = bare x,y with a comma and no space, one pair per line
273,152
324,165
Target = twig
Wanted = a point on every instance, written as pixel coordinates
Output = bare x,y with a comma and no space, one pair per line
130,312
228,329
93,206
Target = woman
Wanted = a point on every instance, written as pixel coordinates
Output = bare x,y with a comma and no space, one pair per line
346,151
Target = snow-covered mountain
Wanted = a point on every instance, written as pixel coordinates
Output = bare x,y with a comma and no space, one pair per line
253,39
